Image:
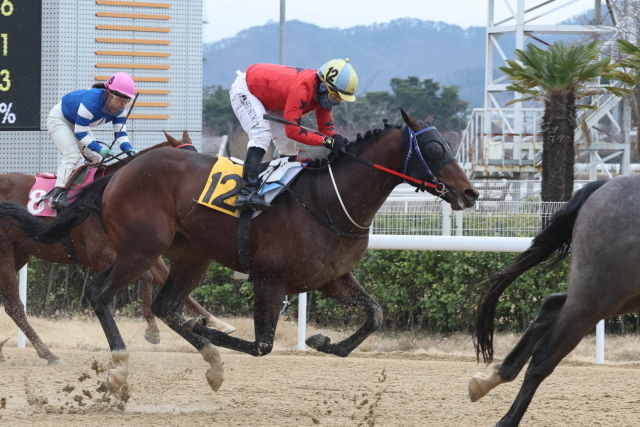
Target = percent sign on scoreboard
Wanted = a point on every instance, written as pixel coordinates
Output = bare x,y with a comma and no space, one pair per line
7,115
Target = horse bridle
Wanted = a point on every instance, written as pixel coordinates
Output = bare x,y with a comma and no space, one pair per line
440,188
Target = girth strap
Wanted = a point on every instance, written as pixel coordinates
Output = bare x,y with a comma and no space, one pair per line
244,242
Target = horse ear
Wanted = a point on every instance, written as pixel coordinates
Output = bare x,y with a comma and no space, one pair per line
430,118
185,137
410,121
174,142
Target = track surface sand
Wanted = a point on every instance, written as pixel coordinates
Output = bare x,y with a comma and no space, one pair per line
289,388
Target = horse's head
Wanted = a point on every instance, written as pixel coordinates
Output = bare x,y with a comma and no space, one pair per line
439,161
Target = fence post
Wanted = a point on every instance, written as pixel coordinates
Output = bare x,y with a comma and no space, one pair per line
302,320
22,291
600,342
446,218
459,223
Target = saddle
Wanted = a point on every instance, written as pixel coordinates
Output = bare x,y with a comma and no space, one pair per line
39,194
224,184
225,181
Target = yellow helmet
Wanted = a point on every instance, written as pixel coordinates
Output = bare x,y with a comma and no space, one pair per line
340,78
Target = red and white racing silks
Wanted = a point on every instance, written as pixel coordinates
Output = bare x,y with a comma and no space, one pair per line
279,90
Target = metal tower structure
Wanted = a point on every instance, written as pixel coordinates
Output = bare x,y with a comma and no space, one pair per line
505,141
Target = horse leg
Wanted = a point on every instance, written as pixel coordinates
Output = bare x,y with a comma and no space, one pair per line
267,303
212,321
511,366
15,310
565,334
152,333
184,276
347,290
100,292
160,273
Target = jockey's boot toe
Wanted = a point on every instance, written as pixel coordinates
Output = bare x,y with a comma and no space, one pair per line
257,203
59,198
251,201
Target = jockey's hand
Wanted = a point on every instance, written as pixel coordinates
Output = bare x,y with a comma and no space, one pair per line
131,153
105,152
337,143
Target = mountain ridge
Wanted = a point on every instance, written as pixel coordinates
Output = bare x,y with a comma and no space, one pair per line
379,52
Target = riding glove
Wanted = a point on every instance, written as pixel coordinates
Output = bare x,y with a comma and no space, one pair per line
131,153
337,143
105,152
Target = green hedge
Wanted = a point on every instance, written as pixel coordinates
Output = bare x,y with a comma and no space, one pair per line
427,291
418,290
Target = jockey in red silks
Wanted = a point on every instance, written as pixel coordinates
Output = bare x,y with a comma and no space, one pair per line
69,124
290,93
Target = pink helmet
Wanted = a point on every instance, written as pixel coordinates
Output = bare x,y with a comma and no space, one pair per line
121,84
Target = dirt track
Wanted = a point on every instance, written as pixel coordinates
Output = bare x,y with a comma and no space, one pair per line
291,388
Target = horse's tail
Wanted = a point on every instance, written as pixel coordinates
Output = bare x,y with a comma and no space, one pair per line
87,200
553,241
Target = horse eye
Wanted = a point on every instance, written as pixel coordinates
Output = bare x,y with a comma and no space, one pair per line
433,150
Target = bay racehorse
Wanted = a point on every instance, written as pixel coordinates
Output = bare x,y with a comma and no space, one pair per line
601,228
91,249
311,240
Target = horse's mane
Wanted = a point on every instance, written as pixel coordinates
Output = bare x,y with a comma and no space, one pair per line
369,136
377,133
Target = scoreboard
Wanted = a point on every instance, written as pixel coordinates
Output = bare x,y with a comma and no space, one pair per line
20,64
49,48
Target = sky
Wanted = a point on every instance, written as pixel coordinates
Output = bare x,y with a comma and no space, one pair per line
237,15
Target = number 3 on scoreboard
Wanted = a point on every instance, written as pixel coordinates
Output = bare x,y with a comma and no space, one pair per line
5,80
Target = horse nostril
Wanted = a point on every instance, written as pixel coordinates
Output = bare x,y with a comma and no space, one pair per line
471,194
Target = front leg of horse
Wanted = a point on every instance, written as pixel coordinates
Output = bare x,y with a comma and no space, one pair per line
152,333
347,290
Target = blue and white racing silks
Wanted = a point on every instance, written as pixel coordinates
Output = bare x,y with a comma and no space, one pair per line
85,108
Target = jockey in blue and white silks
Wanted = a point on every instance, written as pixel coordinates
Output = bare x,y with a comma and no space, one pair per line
70,122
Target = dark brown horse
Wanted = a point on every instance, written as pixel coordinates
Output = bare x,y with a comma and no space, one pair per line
292,249
600,226
91,248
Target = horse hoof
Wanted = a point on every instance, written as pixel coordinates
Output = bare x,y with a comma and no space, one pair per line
55,362
193,322
152,337
220,326
476,392
113,383
214,379
317,341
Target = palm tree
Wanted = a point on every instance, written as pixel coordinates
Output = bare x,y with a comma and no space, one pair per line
630,76
557,77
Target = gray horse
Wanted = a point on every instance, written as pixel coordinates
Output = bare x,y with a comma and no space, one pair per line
601,227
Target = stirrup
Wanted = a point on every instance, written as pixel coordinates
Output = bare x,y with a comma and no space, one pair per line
59,201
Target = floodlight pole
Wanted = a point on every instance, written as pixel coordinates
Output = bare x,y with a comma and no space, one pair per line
282,24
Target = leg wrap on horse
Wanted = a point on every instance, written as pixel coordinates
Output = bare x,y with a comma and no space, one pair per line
117,376
480,384
215,374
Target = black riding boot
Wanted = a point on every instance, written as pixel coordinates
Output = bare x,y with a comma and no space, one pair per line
59,198
248,197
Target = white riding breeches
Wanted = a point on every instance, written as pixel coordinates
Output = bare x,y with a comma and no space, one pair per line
72,150
250,112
